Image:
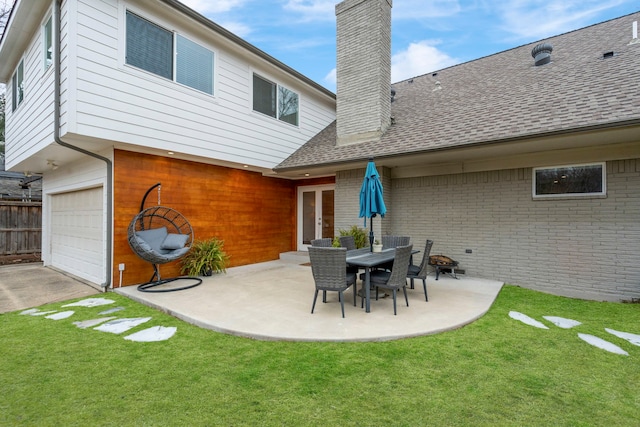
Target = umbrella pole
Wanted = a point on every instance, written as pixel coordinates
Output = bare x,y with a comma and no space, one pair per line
371,233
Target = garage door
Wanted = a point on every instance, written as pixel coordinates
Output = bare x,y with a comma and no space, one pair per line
77,236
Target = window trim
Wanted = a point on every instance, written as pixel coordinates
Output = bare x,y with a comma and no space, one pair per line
278,88
174,53
47,33
599,194
15,102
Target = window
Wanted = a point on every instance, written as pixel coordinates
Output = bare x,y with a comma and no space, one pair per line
564,181
151,48
194,65
17,86
48,43
275,101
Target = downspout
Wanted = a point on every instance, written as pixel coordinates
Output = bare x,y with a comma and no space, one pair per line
56,135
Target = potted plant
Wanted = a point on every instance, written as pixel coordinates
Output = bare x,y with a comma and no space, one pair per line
205,258
377,246
359,236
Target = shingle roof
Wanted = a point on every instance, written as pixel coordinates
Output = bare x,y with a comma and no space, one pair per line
504,96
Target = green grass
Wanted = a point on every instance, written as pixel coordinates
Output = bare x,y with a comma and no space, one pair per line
496,371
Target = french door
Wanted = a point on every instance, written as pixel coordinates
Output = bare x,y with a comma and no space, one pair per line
315,214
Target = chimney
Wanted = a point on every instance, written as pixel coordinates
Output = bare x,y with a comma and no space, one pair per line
363,70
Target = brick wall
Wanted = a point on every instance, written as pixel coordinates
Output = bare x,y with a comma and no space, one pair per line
586,248
363,69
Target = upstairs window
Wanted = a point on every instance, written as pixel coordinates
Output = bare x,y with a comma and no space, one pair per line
17,86
48,43
570,181
194,65
274,100
149,46
153,49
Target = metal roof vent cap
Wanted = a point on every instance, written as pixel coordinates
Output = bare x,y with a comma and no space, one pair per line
542,53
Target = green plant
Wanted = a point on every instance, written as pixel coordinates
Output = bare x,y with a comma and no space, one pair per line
359,236
204,258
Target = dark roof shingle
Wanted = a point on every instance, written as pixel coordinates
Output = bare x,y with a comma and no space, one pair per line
504,96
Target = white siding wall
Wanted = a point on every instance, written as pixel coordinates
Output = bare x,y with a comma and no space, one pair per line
30,126
118,102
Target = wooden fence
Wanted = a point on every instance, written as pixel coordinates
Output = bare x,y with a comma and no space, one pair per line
20,227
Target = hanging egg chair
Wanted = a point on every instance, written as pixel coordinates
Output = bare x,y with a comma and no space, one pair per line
160,235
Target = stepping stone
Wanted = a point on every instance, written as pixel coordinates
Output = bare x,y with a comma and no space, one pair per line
29,311
92,322
526,319
90,302
122,325
61,315
155,333
600,343
112,310
563,323
43,313
632,338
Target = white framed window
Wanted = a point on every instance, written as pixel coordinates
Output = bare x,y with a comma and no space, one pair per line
47,36
153,48
17,86
570,181
275,101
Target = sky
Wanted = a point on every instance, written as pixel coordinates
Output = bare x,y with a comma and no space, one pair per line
427,35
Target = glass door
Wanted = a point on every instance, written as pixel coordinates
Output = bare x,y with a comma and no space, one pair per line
315,214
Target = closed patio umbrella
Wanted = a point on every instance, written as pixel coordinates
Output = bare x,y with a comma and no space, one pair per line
371,201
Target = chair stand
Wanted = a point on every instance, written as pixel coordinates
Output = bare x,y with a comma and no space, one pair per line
147,287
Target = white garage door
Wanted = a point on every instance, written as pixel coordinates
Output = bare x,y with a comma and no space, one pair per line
77,236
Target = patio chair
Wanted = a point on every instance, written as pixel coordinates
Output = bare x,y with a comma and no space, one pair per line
329,268
421,271
397,277
393,242
326,242
160,235
348,242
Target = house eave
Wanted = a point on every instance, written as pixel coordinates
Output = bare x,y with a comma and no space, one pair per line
519,151
24,18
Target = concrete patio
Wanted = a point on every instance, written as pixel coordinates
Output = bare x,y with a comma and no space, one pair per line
272,301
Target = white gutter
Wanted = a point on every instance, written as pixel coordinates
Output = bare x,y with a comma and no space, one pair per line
56,136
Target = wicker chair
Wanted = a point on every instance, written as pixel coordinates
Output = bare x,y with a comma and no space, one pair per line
348,242
160,235
397,277
421,271
393,242
330,273
325,242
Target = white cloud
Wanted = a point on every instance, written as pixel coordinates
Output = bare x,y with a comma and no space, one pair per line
313,10
238,28
418,59
331,78
538,19
420,9
205,7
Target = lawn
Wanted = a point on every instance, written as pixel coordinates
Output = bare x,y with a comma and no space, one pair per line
495,371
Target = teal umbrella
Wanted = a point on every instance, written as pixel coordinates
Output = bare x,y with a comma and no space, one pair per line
371,200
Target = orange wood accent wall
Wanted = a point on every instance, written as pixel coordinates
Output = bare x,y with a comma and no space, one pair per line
254,215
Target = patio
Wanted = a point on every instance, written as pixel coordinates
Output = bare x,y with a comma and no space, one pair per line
272,301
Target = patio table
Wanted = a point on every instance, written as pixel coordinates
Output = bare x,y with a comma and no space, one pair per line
365,258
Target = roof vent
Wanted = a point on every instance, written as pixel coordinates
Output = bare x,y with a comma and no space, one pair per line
608,55
542,53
